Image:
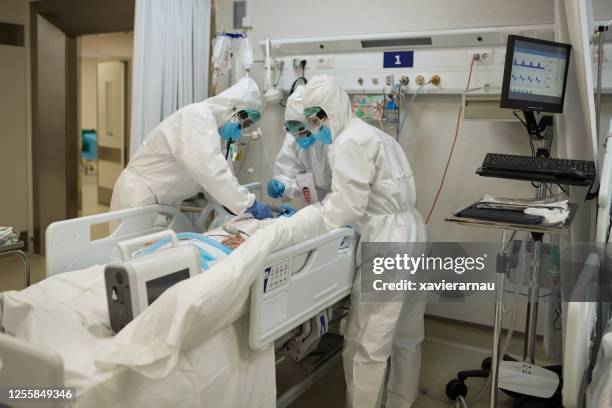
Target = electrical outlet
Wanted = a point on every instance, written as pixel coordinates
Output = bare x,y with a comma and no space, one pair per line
297,64
483,56
325,62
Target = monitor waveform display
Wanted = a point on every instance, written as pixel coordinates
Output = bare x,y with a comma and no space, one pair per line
536,73
524,64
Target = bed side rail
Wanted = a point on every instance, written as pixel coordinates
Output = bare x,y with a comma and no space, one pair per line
69,245
298,282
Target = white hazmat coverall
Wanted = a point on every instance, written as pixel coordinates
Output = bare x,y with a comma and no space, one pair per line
373,189
293,160
182,156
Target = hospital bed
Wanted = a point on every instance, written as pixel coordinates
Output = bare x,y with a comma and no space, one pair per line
295,284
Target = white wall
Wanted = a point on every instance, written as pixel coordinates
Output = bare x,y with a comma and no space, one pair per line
88,93
602,9
107,46
295,19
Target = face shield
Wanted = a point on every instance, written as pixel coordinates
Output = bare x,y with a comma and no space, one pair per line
247,119
316,121
314,117
240,123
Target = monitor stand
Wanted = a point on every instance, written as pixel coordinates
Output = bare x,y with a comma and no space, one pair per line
536,128
512,376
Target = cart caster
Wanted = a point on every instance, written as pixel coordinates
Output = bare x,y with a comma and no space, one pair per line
456,388
486,364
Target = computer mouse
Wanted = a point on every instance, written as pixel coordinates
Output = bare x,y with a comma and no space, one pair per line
572,174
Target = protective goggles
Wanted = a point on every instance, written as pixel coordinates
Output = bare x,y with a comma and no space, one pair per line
314,118
248,117
296,127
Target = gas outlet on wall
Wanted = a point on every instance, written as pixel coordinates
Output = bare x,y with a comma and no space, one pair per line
483,56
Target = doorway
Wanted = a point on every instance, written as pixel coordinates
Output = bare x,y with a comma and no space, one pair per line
104,101
55,27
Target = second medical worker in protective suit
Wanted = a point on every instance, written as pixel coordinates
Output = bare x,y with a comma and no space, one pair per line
300,154
373,189
182,155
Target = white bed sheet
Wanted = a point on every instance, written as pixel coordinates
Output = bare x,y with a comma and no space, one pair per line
68,313
189,348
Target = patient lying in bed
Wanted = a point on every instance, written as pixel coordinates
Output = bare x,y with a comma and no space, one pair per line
213,245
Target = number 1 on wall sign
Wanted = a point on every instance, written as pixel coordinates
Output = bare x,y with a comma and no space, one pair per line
398,59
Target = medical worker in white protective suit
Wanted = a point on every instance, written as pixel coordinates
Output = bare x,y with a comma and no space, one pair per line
372,189
183,155
301,153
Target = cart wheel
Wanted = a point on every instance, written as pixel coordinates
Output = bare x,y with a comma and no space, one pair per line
486,363
456,388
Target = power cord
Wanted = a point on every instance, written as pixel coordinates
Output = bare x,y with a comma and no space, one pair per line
450,155
294,85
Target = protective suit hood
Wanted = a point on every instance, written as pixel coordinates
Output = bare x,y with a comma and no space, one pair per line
323,91
295,108
244,94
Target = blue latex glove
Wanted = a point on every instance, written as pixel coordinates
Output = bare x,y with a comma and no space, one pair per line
276,189
289,210
260,210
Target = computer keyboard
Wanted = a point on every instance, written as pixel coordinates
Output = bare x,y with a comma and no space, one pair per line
566,171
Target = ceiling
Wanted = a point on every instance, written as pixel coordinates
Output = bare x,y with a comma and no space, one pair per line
79,17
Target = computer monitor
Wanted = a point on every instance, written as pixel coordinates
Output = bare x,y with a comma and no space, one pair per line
535,74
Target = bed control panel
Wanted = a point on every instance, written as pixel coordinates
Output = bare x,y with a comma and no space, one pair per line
276,276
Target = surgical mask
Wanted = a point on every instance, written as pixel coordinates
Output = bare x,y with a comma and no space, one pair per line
230,131
305,142
323,135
